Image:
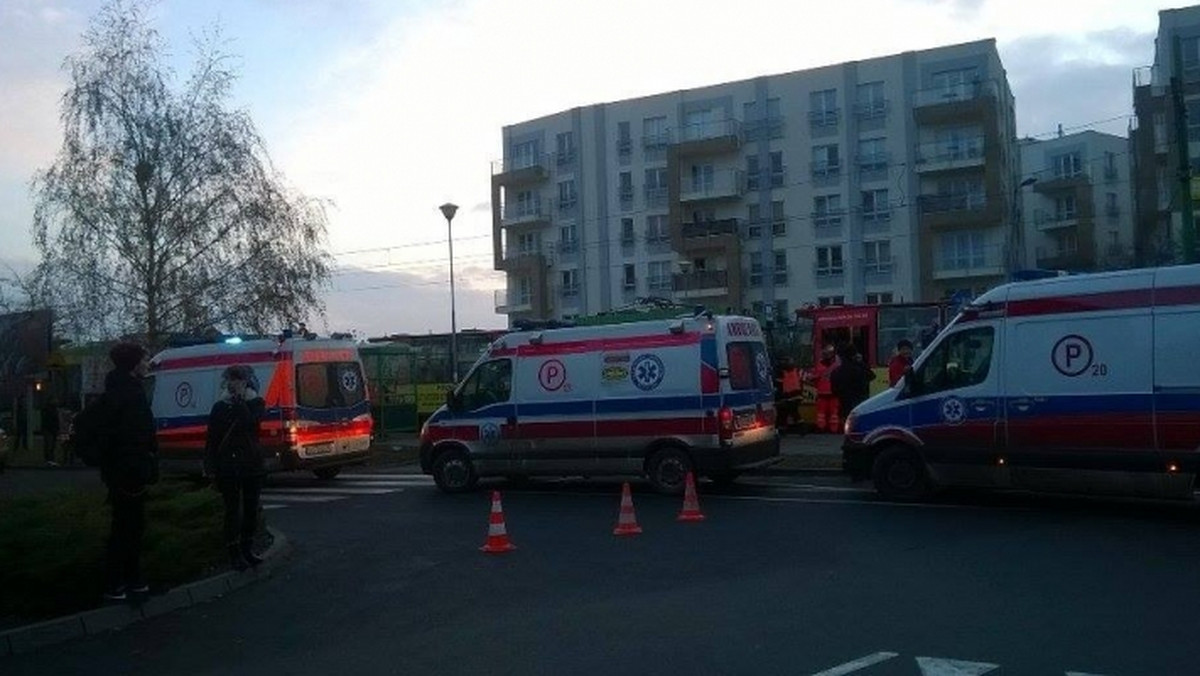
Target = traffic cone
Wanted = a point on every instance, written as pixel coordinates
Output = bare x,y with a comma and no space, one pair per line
691,504
627,522
497,537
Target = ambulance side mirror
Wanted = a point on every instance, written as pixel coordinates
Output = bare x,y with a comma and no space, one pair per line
453,403
913,386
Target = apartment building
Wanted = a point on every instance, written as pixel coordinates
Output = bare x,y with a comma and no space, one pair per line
876,181
1159,197
1076,213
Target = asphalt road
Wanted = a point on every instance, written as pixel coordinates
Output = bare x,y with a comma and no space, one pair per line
787,576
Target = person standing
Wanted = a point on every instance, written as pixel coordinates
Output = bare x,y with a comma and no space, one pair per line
851,381
129,464
827,405
232,456
50,429
900,361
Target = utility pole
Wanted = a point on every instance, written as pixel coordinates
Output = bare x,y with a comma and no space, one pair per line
1187,221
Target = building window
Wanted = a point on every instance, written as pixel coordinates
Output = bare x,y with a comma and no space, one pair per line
778,219
777,169
883,298
565,143
825,160
524,155
654,132
872,154
1110,165
781,268
699,124
756,270
624,143
566,194
825,301
703,178
753,221
1190,56
656,229
956,84
1067,243
568,241
823,110
659,275
875,206
753,179
527,243
570,283
1067,165
1110,204
963,250
1064,208
625,188
877,256
870,101
627,236
829,261
656,187
524,290
827,210
629,277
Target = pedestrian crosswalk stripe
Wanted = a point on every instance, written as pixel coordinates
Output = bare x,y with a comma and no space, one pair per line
376,484
291,497
384,475
328,490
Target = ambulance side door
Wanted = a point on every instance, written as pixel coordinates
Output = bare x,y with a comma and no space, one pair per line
486,416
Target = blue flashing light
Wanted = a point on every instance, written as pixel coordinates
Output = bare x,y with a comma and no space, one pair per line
233,340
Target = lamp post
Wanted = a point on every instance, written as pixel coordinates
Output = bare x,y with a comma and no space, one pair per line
1016,253
448,210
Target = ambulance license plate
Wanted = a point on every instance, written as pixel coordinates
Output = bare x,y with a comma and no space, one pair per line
318,449
746,420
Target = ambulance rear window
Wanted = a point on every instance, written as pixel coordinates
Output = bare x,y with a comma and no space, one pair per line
748,366
329,385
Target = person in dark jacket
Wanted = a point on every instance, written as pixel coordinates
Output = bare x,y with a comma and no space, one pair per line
851,381
129,464
233,458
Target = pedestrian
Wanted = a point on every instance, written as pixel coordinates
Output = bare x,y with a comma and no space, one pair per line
790,388
50,429
851,381
129,464
900,361
233,458
827,407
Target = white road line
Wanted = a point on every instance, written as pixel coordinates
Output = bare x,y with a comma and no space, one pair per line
273,506
317,490
1080,673
284,497
877,503
858,664
383,475
805,488
379,484
937,666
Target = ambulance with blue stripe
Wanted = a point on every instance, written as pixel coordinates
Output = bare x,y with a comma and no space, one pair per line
658,398
318,416
1087,383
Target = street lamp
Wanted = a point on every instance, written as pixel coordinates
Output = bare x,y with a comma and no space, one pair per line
448,210
1016,253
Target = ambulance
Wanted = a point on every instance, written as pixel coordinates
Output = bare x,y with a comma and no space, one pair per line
1087,383
658,398
318,416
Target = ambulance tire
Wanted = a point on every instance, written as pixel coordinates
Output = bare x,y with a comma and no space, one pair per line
453,471
899,474
327,473
667,469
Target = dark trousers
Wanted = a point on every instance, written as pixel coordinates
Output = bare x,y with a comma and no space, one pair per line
123,566
49,445
241,507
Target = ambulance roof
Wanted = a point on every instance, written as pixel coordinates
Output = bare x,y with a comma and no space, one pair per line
248,347
1090,284
650,326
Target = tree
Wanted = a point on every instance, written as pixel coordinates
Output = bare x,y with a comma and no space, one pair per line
162,211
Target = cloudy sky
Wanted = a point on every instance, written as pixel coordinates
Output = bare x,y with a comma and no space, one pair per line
392,107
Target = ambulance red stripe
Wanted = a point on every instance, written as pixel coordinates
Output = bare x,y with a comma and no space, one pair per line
1110,300
228,359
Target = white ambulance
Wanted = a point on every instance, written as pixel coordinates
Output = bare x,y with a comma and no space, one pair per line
1083,383
658,398
318,416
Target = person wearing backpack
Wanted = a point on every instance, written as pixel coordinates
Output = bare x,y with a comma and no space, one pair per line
232,456
128,464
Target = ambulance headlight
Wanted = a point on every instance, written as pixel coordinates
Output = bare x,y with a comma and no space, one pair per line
850,422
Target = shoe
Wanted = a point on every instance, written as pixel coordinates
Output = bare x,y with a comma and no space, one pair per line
115,594
249,555
236,560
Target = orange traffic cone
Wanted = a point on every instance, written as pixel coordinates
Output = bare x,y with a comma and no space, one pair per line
497,537
691,504
627,522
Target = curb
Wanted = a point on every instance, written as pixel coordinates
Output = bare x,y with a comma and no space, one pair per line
100,620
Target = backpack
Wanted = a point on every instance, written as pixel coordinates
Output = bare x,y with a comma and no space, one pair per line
90,434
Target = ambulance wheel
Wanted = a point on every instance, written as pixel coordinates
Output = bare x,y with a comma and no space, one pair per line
453,472
899,474
327,473
667,469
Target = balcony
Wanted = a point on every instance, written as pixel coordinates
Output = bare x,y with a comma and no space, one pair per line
824,118
725,226
1046,221
701,283
949,156
957,210
529,213
520,170
984,261
521,259
718,136
510,301
657,141
717,186
962,101
1063,181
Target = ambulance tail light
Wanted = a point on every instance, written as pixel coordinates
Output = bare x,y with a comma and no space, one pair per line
725,419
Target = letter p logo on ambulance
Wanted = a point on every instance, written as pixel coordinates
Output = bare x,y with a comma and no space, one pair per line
1072,355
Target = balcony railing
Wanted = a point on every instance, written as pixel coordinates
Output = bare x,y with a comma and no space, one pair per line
935,204
656,196
718,185
871,109
567,156
519,254
824,118
519,163
512,300
660,139
980,261
701,280
873,161
771,127
826,169
1051,220
950,154
523,212
828,223
624,146
964,91
714,129
726,226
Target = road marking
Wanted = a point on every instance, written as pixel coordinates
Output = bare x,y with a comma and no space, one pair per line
858,664
383,475
805,488
331,491
937,666
378,484
285,497
1080,673
878,503
273,506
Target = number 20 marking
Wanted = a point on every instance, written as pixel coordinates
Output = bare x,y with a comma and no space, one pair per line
1099,370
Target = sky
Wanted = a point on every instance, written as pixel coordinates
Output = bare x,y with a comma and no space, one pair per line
389,108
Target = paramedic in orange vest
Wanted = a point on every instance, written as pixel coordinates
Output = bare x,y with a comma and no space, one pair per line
827,404
791,390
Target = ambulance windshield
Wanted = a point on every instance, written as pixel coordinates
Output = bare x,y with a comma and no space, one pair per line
329,385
